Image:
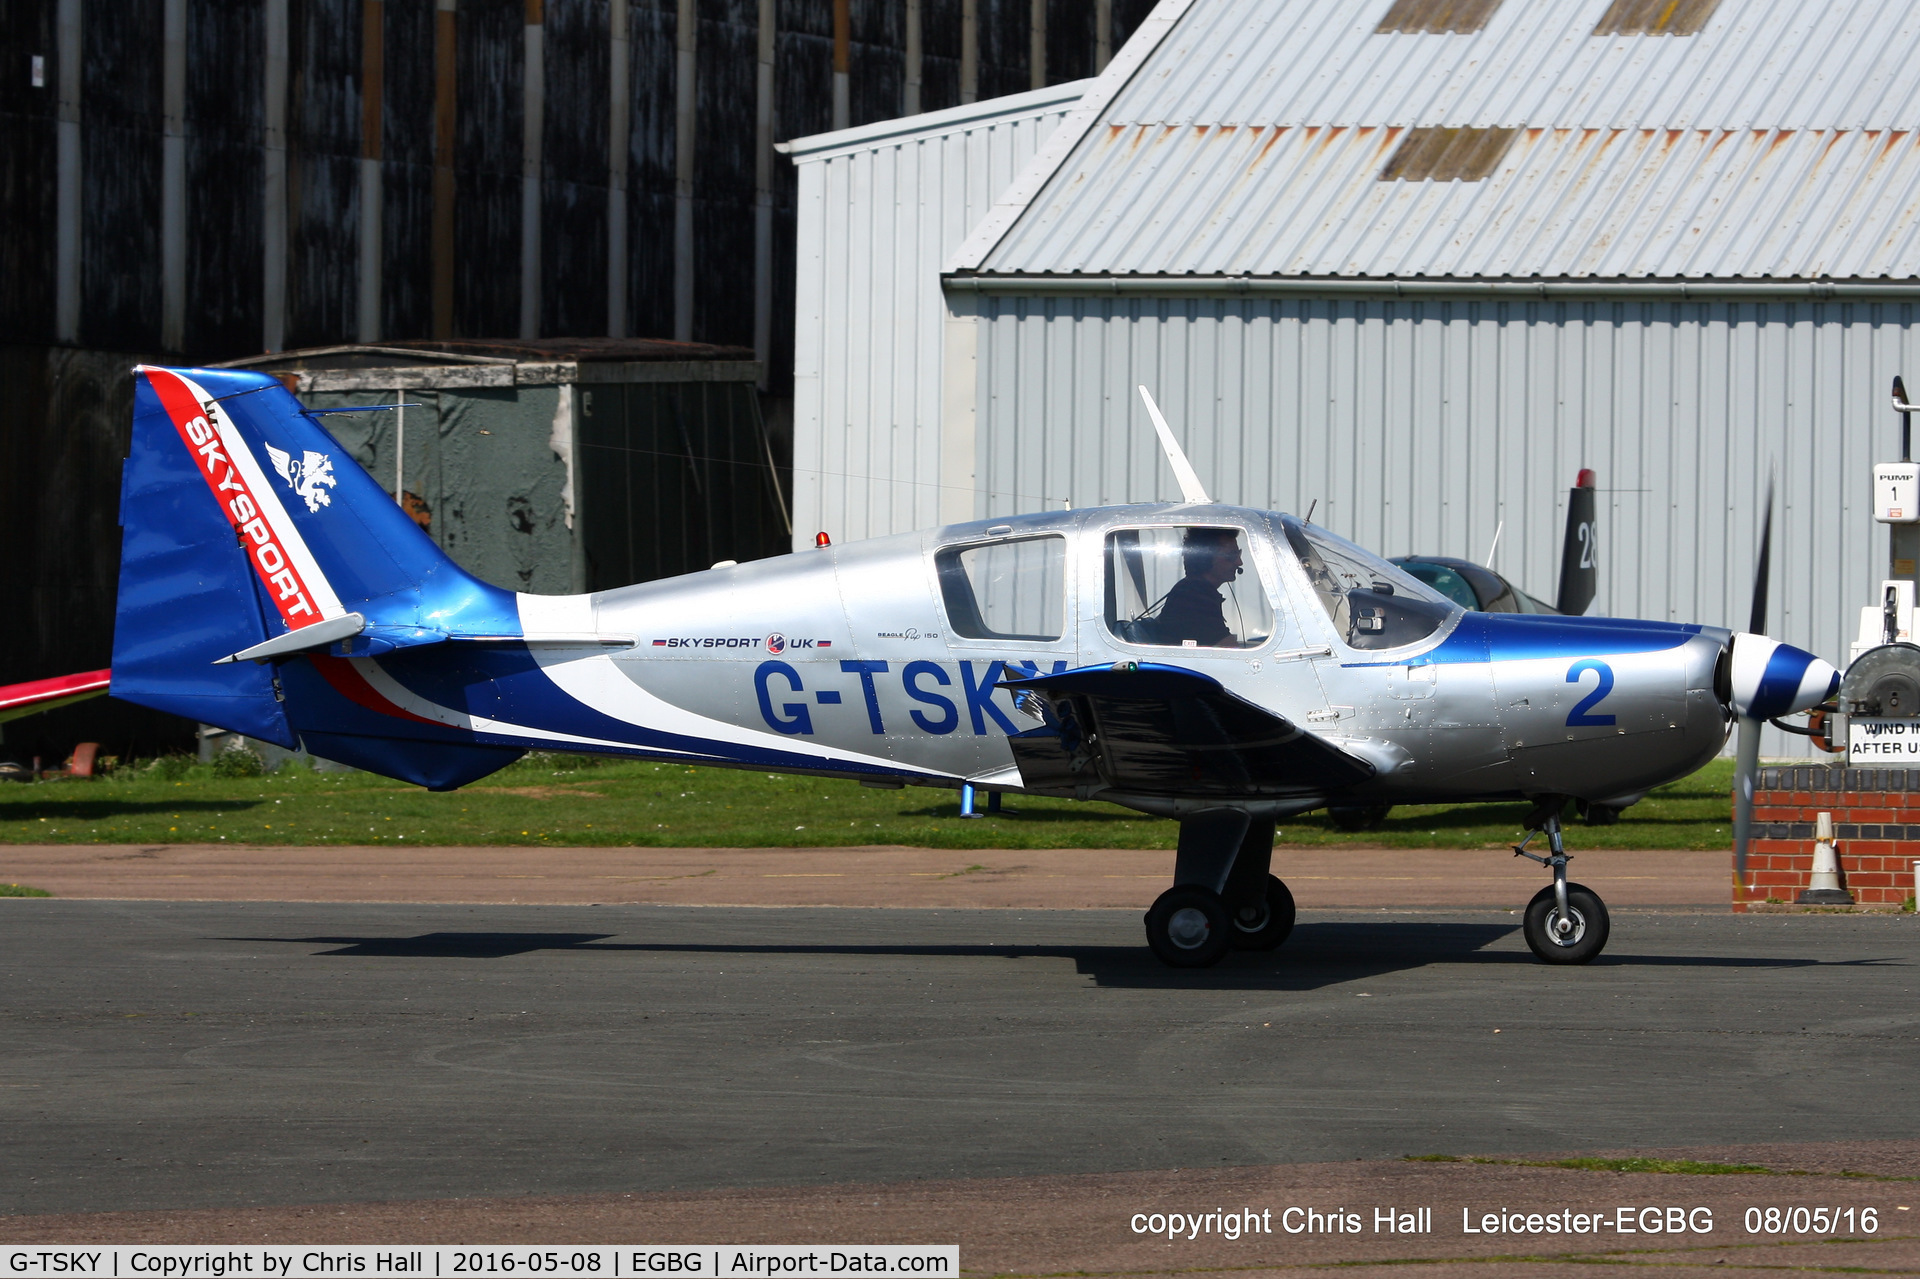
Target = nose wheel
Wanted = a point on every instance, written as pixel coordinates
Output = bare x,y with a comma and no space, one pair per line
1565,923
1573,935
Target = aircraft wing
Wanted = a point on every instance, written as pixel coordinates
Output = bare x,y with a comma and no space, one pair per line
1163,730
39,695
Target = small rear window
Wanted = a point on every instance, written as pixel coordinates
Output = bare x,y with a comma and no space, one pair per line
1009,590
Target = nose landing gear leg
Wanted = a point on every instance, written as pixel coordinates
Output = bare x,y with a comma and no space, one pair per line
1566,923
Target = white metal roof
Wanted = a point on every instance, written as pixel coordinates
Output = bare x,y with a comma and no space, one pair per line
1783,141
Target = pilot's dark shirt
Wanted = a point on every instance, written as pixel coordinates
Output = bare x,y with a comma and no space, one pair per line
1194,611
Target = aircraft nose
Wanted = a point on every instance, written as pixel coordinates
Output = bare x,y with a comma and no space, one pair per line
1771,679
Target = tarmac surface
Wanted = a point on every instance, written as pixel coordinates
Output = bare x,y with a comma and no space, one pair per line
1019,1079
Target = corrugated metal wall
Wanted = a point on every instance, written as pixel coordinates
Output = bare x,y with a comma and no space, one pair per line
875,223
1418,426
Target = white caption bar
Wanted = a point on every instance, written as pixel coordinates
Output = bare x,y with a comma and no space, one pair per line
444,1261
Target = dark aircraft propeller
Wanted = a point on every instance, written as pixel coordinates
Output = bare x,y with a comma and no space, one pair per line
1761,679
1747,751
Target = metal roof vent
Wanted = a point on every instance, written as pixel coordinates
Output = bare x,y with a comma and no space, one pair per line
1655,17
1437,17
1447,155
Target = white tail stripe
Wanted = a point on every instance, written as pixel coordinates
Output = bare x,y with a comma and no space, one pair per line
299,590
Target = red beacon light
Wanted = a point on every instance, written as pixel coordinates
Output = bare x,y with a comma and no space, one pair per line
1584,480
821,541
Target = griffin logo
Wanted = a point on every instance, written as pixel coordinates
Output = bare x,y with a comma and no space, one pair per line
307,476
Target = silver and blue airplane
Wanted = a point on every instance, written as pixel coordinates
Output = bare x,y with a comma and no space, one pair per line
1215,665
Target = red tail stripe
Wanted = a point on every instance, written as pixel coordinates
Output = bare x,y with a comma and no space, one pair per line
352,685
282,581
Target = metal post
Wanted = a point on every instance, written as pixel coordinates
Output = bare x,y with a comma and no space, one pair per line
273,290
842,63
686,67
619,121
445,104
66,198
915,59
173,175
400,449
969,50
532,135
763,195
373,77
1037,44
1102,34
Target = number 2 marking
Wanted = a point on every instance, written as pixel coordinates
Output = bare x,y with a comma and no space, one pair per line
1578,717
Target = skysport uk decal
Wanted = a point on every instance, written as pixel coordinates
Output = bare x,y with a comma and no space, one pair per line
778,643
709,641
775,643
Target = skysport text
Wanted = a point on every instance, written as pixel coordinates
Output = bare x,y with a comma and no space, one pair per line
687,1261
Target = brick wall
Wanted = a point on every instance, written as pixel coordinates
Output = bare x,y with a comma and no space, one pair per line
1876,817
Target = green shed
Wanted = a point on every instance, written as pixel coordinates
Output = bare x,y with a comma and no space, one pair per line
560,465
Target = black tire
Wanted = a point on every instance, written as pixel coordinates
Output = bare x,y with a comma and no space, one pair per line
1266,925
1596,814
1363,817
1187,927
1590,926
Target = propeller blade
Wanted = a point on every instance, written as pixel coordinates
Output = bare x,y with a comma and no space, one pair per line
1758,625
1746,773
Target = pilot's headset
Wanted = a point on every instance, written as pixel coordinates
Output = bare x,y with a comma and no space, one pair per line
1200,545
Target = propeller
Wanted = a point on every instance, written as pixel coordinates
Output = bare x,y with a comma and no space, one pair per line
1766,679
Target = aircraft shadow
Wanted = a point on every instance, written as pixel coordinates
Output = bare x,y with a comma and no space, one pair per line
1316,956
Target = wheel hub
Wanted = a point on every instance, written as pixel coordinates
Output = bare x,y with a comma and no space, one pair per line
1251,919
1188,928
1565,931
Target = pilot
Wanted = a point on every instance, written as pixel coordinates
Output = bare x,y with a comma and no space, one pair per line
1193,609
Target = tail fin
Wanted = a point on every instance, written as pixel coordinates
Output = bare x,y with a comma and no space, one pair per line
244,524
1579,554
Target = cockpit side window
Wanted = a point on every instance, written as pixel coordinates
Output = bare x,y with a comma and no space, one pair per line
1011,590
1186,586
1372,604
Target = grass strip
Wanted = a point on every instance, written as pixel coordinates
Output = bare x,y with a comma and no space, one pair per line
21,890
574,800
1686,1167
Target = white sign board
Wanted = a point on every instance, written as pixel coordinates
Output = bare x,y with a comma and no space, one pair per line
1896,492
1892,741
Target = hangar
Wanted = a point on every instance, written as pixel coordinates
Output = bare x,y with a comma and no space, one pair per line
1411,262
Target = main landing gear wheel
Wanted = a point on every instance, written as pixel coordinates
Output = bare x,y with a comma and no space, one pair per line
1573,939
1265,924
1364,817
1188,927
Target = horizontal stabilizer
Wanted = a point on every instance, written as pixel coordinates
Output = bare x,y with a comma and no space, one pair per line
1151,729
34,696
318,635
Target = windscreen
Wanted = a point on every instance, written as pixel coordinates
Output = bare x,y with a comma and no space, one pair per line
1372,604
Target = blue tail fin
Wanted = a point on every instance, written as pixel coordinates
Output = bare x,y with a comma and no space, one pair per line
244,521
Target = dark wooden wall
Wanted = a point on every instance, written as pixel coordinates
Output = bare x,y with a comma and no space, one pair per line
63,426
224,123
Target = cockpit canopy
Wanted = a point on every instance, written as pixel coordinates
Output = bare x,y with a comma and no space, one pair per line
1373,605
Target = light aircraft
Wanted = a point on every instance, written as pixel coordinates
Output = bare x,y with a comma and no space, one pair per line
1219,666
